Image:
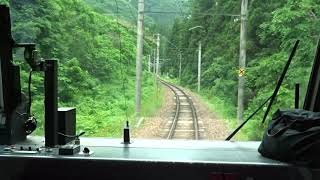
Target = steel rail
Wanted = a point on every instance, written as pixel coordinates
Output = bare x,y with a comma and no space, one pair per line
194,114
176,117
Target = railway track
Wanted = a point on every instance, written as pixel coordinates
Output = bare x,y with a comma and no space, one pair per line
184,124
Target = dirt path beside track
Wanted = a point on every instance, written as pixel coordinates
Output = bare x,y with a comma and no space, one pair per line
152,127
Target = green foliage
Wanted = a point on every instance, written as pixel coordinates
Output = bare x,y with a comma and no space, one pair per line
4,2
273,27
94,76
154,22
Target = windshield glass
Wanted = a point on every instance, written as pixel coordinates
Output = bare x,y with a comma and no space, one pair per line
195,69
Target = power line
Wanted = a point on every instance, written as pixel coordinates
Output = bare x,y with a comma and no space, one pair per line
175,47
176,12
132,17
179,5
124,83
170,42
180,48
131,13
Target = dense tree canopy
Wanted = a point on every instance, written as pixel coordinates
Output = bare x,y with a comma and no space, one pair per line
273,27
97,53
96,56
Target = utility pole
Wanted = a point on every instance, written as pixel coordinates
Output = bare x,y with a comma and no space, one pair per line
149,63
199,67
199,59
242,59
180,59
158,55
154,61
139,57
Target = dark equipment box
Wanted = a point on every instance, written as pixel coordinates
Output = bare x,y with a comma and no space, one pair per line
66,125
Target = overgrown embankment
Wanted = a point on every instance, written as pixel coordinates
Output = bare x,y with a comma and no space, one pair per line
272,29
96,62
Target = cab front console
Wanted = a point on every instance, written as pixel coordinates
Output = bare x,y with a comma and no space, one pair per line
101,158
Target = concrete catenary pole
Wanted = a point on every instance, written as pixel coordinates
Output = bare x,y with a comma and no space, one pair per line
199,58
158,55
139,57
154,61
199,66
149,63
242,59
180,64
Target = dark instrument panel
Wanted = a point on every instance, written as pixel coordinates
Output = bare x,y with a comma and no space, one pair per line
147,159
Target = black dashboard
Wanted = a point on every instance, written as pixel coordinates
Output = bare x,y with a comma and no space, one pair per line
146,159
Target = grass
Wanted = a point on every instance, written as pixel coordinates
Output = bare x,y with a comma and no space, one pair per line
153,103
104,115
225,111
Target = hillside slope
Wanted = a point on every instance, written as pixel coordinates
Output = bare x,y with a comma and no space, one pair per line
273,28
96,57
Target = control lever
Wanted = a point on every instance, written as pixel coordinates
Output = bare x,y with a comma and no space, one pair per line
126,134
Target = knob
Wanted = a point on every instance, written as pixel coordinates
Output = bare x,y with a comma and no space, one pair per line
86,150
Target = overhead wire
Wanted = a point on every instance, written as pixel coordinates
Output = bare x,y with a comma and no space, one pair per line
179,5
131,13
133,17
169,42
207,14
124,81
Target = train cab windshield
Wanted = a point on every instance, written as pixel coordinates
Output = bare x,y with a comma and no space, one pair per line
148,81
206,66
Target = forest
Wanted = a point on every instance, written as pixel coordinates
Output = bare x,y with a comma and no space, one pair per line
95,43
273,28
96,56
